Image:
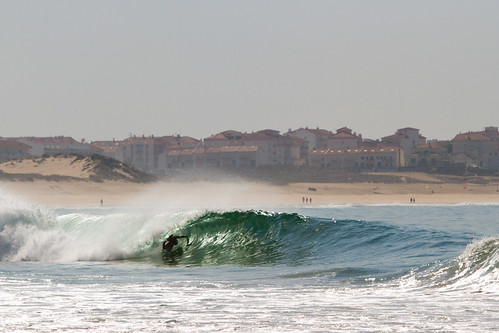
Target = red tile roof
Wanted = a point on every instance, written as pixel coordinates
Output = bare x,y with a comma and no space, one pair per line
13,144
52,140
408,129
343,135
352,151
471,136
246,149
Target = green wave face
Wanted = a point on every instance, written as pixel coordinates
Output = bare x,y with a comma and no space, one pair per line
251,238
244,238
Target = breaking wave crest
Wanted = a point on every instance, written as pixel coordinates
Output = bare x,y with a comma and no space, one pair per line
477,268
253,238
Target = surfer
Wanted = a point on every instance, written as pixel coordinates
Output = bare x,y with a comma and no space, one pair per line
170,242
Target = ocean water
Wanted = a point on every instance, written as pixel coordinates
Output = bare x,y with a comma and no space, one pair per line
252,269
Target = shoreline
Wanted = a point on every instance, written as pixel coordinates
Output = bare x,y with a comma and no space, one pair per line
226,194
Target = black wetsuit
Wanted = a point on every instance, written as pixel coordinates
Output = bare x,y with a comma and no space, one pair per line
170,242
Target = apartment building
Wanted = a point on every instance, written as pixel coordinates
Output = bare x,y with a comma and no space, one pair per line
434,154
56,145
344,138
406,138
480,147
275,148
144,152
113,149
315,138
11,149
362,159
224,157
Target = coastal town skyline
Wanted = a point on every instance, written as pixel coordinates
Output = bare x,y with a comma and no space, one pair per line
99,70
331,131
343,149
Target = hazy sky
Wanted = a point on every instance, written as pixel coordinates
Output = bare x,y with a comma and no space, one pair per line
104,69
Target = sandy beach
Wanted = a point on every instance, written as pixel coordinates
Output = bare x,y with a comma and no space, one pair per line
68,181
112,193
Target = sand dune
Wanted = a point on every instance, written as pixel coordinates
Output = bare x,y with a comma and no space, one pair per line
70,167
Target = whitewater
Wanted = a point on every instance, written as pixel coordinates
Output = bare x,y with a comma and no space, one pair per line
251,269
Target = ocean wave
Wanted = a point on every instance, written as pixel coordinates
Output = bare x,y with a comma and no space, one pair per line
475,269
366,250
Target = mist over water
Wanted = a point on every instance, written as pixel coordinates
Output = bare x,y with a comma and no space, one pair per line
358,268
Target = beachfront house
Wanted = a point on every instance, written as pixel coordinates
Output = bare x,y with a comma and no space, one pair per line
224,157
140,152
431,155
58,145
11,149
344,138
274,149
113,149
481,147
361,159
144,153
315,138
406,138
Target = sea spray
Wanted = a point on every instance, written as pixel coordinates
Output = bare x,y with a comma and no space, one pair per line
33,233
344,248
25,230
357,268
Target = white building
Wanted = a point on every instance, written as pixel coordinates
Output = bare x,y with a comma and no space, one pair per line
224,157
275,149
56,145
140,153
112,149
344,138
481,147
364,159
405,138
11,149
315,138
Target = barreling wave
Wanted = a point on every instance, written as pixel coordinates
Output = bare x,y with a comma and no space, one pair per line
317,246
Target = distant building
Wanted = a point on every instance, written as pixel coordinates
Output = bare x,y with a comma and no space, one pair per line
275,149
11,149
344,138
362,159
315,138
56,145
144,152
322,139
225,157
481,147
113,149
406,138
226,138
140,153
435,154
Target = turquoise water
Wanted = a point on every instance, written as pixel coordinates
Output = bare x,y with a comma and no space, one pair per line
293,268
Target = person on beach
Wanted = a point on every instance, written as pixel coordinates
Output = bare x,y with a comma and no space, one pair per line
170,242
